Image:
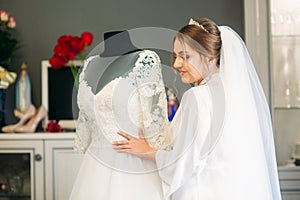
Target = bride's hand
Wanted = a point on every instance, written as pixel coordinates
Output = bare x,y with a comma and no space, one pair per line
135,146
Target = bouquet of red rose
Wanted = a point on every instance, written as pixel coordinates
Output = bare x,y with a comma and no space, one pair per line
68,49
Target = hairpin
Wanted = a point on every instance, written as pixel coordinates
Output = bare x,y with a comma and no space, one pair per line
193,22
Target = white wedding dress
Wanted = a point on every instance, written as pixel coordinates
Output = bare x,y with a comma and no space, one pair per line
135,100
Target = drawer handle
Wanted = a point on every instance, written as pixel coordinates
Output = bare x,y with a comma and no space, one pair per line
38,157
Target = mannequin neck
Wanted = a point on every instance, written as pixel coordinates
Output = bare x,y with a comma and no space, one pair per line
117,43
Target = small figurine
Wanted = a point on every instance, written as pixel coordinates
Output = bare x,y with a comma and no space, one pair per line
23,90
172,104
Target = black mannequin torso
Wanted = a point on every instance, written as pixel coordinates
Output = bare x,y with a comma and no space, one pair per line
117,59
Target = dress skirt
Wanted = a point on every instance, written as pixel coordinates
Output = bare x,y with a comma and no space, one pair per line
95,181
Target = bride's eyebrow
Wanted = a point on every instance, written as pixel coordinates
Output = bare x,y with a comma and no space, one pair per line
182,53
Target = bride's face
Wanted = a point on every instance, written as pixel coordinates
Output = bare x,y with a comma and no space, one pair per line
188,62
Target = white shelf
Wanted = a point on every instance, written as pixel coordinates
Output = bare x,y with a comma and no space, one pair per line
36,136
286,108
285,36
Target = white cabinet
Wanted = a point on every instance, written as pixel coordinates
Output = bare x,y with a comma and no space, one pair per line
44,163
61,167
289,182
13,154
275,51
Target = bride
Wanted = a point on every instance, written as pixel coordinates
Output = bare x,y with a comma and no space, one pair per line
223,144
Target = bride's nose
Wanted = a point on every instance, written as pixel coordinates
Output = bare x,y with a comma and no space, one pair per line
178,62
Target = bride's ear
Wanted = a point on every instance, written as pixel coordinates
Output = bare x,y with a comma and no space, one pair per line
211,60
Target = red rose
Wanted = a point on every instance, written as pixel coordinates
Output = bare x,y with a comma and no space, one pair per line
70,55
63,50
60,50
87,37
57,62
52,126
76,44
64,39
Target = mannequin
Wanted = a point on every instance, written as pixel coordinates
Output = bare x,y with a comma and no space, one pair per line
121,82
117,43
117,57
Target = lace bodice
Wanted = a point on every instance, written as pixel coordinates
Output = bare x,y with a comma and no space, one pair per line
129,102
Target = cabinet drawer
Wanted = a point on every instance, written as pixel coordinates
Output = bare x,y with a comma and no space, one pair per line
290,195
289,175
290,185
289,178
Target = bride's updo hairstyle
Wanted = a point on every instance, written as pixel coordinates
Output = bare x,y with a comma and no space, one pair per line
203,35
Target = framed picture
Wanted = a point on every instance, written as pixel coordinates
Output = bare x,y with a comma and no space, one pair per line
59,96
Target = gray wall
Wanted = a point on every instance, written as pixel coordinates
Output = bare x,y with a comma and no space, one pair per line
40,23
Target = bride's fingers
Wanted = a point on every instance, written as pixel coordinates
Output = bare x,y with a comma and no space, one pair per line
120,142
122,148
141,134
125,135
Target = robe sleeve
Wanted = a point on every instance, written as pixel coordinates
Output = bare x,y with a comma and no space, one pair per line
189,129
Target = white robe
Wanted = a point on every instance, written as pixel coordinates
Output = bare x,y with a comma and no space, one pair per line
231,167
